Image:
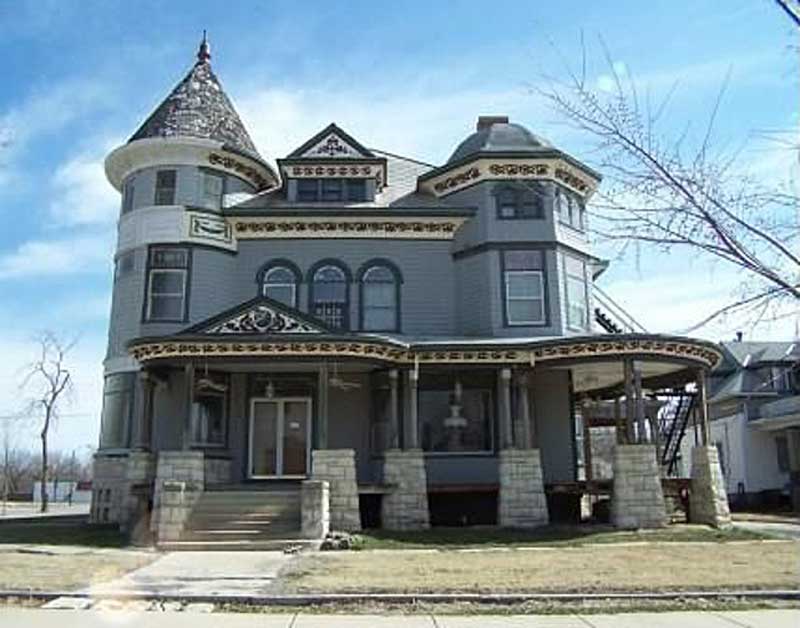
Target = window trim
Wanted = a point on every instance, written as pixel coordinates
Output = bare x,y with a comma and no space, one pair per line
280,262
366,267
174,187
187,270
519,198
128,192
509,298
348,279
205,172
545,286
585,281
572,201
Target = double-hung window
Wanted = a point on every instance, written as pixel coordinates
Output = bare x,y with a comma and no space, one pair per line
329,300
165,187
519,200
576,288
127,196
524,285
213,189
167,279
379,302
117,410
570,209
331,190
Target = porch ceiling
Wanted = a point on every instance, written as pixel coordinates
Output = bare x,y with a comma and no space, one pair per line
603,375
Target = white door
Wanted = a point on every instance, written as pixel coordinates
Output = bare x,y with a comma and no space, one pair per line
280,437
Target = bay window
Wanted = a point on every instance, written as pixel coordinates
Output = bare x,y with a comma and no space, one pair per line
524,288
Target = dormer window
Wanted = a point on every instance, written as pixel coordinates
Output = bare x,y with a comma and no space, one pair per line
165,187
519,201
331,190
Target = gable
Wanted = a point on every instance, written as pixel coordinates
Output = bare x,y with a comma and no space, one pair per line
332,143
261,316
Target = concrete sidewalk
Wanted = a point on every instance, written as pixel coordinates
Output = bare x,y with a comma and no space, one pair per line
37,618
223,574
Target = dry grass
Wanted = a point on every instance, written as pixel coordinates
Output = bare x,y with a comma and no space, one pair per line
57,571
645,567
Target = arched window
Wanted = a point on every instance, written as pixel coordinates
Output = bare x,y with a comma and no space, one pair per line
329,295
380,297
280,284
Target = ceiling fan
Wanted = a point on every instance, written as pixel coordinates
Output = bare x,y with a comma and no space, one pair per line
335,381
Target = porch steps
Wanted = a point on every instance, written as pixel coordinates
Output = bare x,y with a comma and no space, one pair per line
242,518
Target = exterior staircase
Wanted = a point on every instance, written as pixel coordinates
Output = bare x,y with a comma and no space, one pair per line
243,518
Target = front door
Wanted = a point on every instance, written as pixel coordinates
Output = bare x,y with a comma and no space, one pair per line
280,437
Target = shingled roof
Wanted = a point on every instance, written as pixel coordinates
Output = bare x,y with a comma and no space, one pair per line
199,107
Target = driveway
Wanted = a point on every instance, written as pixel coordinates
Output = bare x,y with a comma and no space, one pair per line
202,573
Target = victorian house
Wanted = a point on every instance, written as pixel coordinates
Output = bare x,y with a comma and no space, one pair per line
354,338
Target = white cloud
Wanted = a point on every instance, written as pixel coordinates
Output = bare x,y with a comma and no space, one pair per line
37,258
81,194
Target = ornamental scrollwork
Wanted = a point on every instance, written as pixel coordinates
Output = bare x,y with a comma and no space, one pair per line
246,170
358,229
458,179
524,170
262,320
571,180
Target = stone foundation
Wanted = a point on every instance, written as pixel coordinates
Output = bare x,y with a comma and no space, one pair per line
521,502
315,508
338,468
406,506
708,500
135,519
217,471
637,500
109,488
180,479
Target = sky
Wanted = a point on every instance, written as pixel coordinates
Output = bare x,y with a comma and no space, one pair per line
408,77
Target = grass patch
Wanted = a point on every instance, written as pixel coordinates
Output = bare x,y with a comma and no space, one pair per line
559,536
60,531
49,571
589,568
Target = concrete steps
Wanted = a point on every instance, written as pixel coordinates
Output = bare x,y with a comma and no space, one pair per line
237,518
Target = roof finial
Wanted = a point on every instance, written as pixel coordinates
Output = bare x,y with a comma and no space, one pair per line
204,53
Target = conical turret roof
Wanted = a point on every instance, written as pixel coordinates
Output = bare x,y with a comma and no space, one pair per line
198,107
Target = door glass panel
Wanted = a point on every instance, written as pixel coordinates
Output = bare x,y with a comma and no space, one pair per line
265,438
295,437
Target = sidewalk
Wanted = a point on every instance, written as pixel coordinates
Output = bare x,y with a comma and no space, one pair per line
30,510
37,618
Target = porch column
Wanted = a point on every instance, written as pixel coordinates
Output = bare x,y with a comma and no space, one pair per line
411,436
188,399
507,431
587,441
322,411
524,411
630,404
702,399
618,422
142,433
394,416
641,422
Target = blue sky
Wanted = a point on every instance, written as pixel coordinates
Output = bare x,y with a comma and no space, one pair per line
407,77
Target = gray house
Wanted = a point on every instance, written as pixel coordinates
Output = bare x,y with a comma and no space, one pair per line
387,341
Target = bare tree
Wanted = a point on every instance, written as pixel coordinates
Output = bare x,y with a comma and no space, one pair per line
52,382
669,192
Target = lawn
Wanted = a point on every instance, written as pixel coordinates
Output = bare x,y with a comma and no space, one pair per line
62,553
472,561
562,536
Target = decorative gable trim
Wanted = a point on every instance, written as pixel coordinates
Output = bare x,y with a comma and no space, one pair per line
331,143
260,316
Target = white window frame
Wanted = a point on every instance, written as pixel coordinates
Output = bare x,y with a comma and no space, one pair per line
215,201
585,284
540,298
150,294
342,307
265,283
365,284
161,190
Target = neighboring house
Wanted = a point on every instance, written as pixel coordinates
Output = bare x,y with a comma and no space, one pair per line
396,328
754,407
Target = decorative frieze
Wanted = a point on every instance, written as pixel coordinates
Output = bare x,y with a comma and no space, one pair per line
401,353
392,228
552,169
241,168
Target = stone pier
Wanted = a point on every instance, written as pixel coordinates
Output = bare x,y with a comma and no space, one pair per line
135,519
338,468
638,499
406,506
708,499
522,502
315,509
180,479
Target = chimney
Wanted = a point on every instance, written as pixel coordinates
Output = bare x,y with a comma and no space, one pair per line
484,122
739,336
